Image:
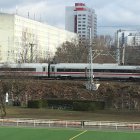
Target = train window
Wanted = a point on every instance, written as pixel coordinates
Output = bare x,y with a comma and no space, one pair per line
52,68
17,69
5,69
116,70
137,71
60,70
68,70
71,70
78,70
97,70
44,69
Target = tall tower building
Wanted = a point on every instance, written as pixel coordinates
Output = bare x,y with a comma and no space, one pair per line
80,19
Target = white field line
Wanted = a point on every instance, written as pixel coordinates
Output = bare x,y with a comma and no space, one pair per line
78,135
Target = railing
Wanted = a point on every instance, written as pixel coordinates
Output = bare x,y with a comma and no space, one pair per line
94,125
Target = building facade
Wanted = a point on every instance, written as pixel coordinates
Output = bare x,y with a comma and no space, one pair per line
128,46
133,39
26,40
127,38
80,19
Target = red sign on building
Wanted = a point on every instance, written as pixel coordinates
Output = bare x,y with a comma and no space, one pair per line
79,4
80,9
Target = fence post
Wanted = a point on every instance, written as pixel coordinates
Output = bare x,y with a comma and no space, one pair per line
34,123
17,122
100,125
2,122
133,127
49,123
82,124
116,126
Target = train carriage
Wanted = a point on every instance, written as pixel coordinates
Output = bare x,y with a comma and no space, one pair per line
24,69
70,70
100,71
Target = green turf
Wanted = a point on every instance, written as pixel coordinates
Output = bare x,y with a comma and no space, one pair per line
91,135
35,134
7,133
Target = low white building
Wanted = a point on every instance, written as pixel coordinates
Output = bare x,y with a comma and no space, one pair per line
27,40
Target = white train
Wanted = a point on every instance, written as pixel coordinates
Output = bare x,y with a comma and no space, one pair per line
70,70
100,71
24,69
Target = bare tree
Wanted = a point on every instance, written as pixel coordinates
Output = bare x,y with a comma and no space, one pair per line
103,52
132,55
71,52
77,52
28,50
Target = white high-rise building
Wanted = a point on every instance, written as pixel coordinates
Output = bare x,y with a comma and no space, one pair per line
80,19
26,40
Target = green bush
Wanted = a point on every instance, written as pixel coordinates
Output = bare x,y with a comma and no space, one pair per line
44,103
88,105
92,106
34,104
100,105
37,104
59,102
75,105
80,106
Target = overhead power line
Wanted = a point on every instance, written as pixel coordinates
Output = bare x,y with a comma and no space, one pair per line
117,26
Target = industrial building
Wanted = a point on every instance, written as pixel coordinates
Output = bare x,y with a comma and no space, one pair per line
26,40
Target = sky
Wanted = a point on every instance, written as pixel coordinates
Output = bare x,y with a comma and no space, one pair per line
111,14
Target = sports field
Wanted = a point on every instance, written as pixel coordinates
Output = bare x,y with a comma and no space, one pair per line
7,133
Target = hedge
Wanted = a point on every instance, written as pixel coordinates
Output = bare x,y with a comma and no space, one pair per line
37,104
67,104
88,106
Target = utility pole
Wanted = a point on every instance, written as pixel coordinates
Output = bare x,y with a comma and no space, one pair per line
118,48
8,51
90,58
123,55
31,51
90,85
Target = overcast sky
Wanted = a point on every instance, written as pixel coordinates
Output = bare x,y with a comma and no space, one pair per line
109,12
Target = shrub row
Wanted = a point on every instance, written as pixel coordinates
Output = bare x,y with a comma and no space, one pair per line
88,106
67,104
37,104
